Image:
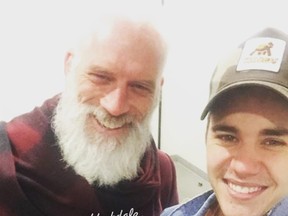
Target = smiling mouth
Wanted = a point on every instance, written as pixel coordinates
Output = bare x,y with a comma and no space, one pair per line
112,124
244,189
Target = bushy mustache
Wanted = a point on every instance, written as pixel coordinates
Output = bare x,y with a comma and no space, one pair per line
107,120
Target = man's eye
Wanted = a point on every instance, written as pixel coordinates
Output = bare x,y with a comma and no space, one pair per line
102,77
274,142
227,138
141,87
138,87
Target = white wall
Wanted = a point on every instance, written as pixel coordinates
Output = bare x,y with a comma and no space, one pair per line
31,55
33,35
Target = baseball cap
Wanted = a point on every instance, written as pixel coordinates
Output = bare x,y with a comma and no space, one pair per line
261,60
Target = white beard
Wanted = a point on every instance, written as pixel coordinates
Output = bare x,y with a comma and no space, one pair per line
100,159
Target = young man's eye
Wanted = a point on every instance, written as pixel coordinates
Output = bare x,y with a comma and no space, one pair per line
227,138
274,142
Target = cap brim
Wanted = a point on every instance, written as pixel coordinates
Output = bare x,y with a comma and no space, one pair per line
272,86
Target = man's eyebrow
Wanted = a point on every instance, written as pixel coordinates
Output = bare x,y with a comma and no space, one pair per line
99,69
275,132
223,127
147,83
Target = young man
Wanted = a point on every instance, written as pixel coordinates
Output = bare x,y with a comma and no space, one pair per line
247,133
89,151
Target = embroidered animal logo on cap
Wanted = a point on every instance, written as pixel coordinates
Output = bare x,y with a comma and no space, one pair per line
262,54
263,49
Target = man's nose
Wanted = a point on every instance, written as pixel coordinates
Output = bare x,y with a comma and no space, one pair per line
116,102
246,161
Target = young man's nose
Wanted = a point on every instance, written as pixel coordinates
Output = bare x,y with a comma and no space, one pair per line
246,161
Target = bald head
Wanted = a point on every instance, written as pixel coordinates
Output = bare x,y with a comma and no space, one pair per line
144,32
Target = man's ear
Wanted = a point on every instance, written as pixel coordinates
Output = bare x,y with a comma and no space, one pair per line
162,81
68,62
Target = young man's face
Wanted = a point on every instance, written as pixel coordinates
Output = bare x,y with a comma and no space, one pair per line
247,151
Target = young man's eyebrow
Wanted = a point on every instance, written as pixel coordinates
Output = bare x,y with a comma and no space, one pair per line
275,132
223,127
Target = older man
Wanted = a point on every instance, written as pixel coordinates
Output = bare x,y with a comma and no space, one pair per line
89,151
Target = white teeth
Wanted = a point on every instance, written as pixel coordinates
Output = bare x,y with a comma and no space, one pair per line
112,125
111,122
242,189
